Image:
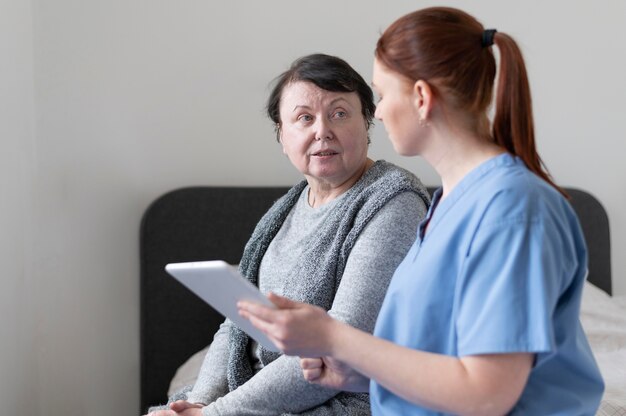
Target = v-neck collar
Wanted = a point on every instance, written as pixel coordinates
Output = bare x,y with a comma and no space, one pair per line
441,207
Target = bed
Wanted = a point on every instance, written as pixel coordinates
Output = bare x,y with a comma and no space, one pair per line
206,223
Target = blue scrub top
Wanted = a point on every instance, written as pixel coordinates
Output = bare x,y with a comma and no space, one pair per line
500,270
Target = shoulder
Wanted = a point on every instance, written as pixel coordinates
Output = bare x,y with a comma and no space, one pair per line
399,216
287,201
404,204
383,170
519,193
516,198
385,179
279,210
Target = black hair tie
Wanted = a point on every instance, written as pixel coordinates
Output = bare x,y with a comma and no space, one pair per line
488,37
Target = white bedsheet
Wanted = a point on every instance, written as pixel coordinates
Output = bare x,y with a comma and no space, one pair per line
604,320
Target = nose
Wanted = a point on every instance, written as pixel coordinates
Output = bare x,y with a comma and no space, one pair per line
323,130
377,115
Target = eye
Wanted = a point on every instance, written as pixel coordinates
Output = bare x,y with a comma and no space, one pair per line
305,118
340,114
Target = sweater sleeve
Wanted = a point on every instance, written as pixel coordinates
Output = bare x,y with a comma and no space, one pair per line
211,382
280,387
373,260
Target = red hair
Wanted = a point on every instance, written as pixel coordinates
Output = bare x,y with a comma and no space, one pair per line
443,46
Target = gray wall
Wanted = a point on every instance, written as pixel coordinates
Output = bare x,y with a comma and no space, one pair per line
19,346
105,105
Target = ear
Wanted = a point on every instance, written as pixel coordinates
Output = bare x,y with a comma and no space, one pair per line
424,98
279,136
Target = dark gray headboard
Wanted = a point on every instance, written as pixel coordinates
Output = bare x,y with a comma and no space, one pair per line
208,223
595,223
189,224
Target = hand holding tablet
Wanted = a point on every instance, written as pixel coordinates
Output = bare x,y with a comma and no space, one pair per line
222,286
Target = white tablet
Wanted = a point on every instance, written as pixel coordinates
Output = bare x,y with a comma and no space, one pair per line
221,285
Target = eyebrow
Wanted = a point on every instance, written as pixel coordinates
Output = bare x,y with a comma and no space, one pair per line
331,103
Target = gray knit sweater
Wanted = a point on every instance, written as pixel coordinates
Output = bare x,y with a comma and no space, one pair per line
377,218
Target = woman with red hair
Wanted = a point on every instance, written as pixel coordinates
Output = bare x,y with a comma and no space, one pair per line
482,316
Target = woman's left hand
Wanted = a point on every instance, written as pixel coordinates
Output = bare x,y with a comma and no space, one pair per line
295,328
329,372
185,408
180,408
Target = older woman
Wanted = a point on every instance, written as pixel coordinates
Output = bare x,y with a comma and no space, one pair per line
333,241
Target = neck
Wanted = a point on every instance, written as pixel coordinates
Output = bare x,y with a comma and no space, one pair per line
455,154
322,192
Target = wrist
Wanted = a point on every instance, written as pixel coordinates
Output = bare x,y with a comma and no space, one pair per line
336,338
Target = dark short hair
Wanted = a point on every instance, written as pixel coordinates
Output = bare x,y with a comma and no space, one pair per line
327,72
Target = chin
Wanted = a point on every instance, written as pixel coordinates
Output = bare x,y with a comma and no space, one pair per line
405,149
399,150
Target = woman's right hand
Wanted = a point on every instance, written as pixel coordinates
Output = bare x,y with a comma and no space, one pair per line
332,373
296,328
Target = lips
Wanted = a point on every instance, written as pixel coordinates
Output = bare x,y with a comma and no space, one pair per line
325,153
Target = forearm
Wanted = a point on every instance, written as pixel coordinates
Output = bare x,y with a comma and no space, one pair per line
472,385
211,382
278,388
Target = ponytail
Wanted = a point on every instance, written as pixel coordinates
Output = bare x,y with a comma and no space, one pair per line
451,50
513,125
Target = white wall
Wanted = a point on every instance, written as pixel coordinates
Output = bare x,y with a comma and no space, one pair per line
134,98
18,344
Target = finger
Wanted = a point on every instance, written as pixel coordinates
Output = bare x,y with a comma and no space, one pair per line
310,363
281,301
248,309
312,375
264,325
180,405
